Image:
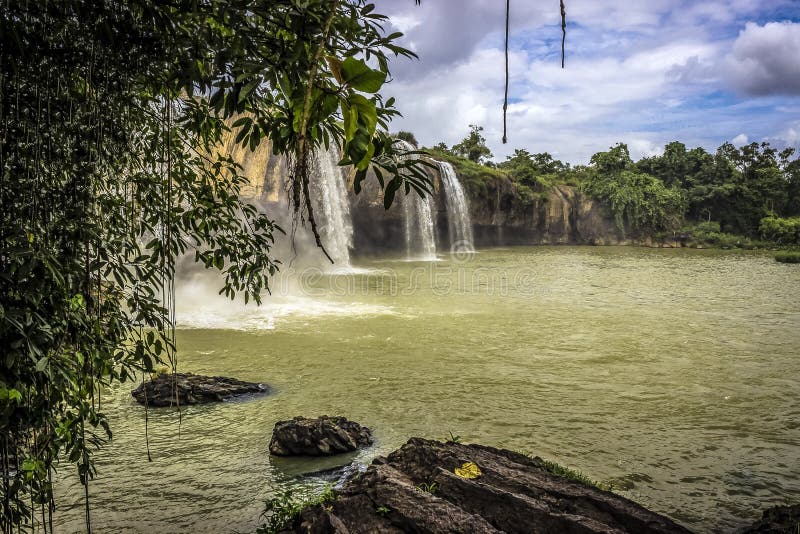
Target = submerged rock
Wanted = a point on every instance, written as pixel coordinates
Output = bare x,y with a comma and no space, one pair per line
428,486
192,389
777,520
322,436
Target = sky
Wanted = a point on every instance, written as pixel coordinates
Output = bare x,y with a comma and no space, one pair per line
643,72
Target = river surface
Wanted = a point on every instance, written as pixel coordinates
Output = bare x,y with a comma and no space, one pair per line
672,374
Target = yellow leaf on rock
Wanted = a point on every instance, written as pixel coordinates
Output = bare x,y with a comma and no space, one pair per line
469,470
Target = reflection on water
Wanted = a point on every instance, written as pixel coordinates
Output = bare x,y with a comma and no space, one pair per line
671,373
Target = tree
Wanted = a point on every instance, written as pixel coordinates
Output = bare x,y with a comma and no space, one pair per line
408,137
672,167
638,201
473,147
615,160
112,114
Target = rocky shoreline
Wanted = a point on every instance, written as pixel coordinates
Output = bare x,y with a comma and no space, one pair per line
430,486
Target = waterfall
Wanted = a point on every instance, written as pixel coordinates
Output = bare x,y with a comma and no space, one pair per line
459,223
332,207
420,231
419,222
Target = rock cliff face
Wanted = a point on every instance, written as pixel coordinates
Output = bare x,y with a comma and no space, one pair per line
562,215
500,217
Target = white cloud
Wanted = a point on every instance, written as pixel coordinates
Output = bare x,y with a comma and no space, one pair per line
740,140
766,59
644,73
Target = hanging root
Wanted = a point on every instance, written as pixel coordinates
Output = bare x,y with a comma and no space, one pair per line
301,196
311,218
505,99
302,207
300,190
563,32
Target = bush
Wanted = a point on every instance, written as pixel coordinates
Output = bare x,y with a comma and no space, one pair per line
281,510
708,233
780,230
788,257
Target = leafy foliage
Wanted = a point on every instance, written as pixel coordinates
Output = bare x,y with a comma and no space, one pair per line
473,147
638,201
780,230
112,114
563,471
280,511
428,487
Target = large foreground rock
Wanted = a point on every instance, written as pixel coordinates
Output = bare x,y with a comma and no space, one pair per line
777,520
417,489
192,389
322,436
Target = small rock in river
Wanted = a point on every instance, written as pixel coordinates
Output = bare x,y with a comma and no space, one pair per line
322,436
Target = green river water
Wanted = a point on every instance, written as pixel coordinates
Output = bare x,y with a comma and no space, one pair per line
672,374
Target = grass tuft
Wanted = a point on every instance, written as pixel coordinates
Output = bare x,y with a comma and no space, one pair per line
565,472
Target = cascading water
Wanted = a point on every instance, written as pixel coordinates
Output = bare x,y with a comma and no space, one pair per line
333,208
420,231
419,223
459,223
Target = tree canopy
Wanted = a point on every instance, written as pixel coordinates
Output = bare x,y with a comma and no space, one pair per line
473,147
111,114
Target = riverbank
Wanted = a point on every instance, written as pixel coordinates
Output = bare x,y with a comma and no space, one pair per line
449,487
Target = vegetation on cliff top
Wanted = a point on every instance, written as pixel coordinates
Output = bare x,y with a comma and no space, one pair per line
734,197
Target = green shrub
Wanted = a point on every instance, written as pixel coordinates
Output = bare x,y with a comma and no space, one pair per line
708,233
281,510
788,257
779,230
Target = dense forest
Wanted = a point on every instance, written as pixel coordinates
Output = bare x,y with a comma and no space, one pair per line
733,197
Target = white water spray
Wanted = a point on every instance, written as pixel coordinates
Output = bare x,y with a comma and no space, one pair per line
458,218
419,223
333,208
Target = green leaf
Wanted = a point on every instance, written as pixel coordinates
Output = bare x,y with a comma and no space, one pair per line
41,365
367,112
364,163
247,89
360,77
350,119
388,195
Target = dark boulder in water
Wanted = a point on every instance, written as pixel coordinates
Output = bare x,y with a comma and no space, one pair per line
429,486
186,388
322,436
777,520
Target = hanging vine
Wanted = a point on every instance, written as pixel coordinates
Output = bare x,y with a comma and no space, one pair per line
111,114
563,57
